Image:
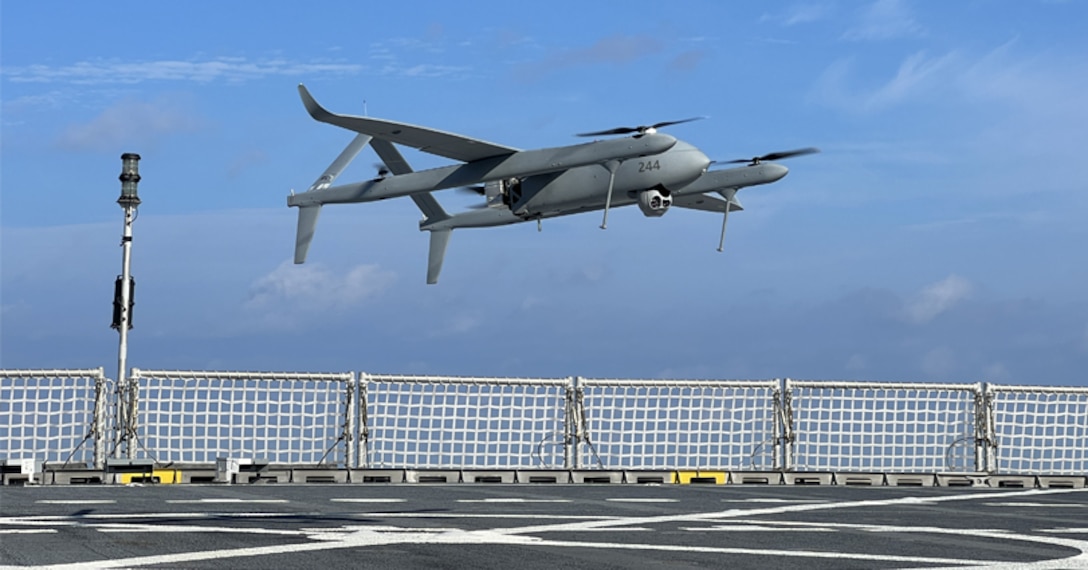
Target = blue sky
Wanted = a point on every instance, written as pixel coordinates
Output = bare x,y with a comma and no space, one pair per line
940,235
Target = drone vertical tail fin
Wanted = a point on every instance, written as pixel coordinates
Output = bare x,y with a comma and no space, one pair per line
439,240
307,223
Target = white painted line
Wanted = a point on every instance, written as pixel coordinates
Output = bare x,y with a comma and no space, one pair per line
776,501
228,501
518,516
166,528
751,528
513,500
1039,505
204,515
638,500
77,502
367,500
28,531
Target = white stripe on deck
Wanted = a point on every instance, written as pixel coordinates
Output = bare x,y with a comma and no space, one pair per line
513,500
77,502
640,500
227,501
367,500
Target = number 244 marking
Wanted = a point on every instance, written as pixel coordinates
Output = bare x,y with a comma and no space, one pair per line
648,165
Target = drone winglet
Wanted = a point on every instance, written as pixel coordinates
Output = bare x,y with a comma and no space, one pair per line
314,108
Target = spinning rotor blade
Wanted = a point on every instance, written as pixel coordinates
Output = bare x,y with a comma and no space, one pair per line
642,129
773,156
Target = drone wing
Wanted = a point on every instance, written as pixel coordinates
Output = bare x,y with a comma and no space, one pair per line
441,143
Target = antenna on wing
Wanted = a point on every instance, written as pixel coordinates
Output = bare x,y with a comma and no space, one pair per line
364,109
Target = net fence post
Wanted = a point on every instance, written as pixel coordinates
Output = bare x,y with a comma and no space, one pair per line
988,434
991,433
125,415
98,428
783,426
349,424
572,423
363,441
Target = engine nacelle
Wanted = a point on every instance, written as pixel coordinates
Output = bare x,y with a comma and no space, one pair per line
654,203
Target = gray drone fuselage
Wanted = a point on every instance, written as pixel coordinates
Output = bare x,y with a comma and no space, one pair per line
653,170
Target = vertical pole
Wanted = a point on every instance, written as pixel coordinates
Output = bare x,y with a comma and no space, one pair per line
126,401
787,426
572,427
777,417
124,404
99,422
349,427
985,460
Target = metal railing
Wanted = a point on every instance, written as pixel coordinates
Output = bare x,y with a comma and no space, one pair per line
59,415
392,421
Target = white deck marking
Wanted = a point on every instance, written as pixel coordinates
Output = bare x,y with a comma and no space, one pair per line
367,500
229,501
357,536
1038,505
513,500
491,516
638,500
77,502
776,501
749,528
28,531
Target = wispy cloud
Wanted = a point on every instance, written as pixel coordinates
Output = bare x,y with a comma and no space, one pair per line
115,71
884,20
802,13
292,295
456,325
612,50
938,298
918,75
131,122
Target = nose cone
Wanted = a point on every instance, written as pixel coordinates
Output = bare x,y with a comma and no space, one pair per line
774,172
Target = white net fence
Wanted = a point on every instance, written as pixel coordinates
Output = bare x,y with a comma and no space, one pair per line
671,424
199,417
66,416
449,422
1039,430
882,427
53,415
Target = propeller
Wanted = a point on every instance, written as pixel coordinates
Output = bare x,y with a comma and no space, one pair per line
772,156
641,130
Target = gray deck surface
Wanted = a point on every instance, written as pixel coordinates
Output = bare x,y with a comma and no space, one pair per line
540,526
